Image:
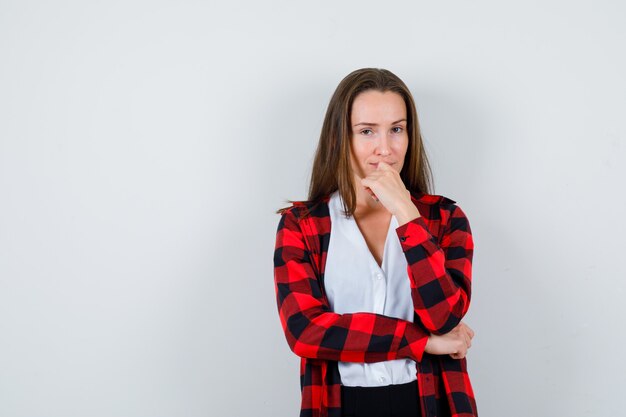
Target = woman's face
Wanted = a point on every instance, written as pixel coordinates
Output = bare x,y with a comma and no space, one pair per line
379,131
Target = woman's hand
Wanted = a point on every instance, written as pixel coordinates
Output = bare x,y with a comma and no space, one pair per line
386,186
455,343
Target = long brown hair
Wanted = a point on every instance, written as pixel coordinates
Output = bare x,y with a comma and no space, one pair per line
331,166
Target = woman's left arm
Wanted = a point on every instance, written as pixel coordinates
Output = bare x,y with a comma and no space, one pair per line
440,274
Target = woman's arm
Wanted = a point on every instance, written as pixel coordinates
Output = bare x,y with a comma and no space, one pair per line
313,330
440,275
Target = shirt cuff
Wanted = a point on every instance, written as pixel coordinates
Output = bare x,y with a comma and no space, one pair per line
415,342
413,233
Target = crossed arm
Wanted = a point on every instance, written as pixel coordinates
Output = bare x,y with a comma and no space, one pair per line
440,278
313,330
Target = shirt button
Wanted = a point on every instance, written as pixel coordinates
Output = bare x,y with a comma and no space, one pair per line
379,276
403,238
381,379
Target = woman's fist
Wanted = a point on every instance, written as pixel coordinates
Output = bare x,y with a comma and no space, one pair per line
454,343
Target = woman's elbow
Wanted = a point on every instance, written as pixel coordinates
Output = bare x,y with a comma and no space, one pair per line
296,329
443,324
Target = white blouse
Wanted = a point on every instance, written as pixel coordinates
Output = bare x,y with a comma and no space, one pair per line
355,283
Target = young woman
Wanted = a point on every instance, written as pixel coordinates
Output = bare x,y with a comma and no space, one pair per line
373,273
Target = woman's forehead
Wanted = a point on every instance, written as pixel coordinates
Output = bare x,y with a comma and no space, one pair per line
372,107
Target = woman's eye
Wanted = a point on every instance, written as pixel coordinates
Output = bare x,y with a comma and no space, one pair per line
365,130
399,129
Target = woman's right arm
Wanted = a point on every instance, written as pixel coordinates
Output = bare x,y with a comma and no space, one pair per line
313,330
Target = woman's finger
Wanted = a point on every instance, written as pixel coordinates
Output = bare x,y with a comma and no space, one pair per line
369,190
471,332
468,329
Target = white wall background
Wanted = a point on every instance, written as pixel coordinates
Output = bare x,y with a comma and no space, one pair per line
145,145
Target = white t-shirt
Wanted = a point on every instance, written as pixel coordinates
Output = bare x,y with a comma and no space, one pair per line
355,283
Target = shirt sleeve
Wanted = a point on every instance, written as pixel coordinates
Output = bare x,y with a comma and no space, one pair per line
313,330
440,273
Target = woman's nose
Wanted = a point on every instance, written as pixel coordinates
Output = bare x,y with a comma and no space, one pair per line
383,145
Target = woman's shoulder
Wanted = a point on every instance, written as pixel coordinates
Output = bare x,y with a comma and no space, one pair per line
432,199
443,211
436,207
303,207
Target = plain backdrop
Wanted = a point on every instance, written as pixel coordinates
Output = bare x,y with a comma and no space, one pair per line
145,146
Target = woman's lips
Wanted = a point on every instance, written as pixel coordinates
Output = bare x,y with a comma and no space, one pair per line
376,164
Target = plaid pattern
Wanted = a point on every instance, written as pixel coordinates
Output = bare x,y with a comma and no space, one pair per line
438,247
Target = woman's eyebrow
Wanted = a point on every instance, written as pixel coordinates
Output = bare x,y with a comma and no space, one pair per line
376,124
